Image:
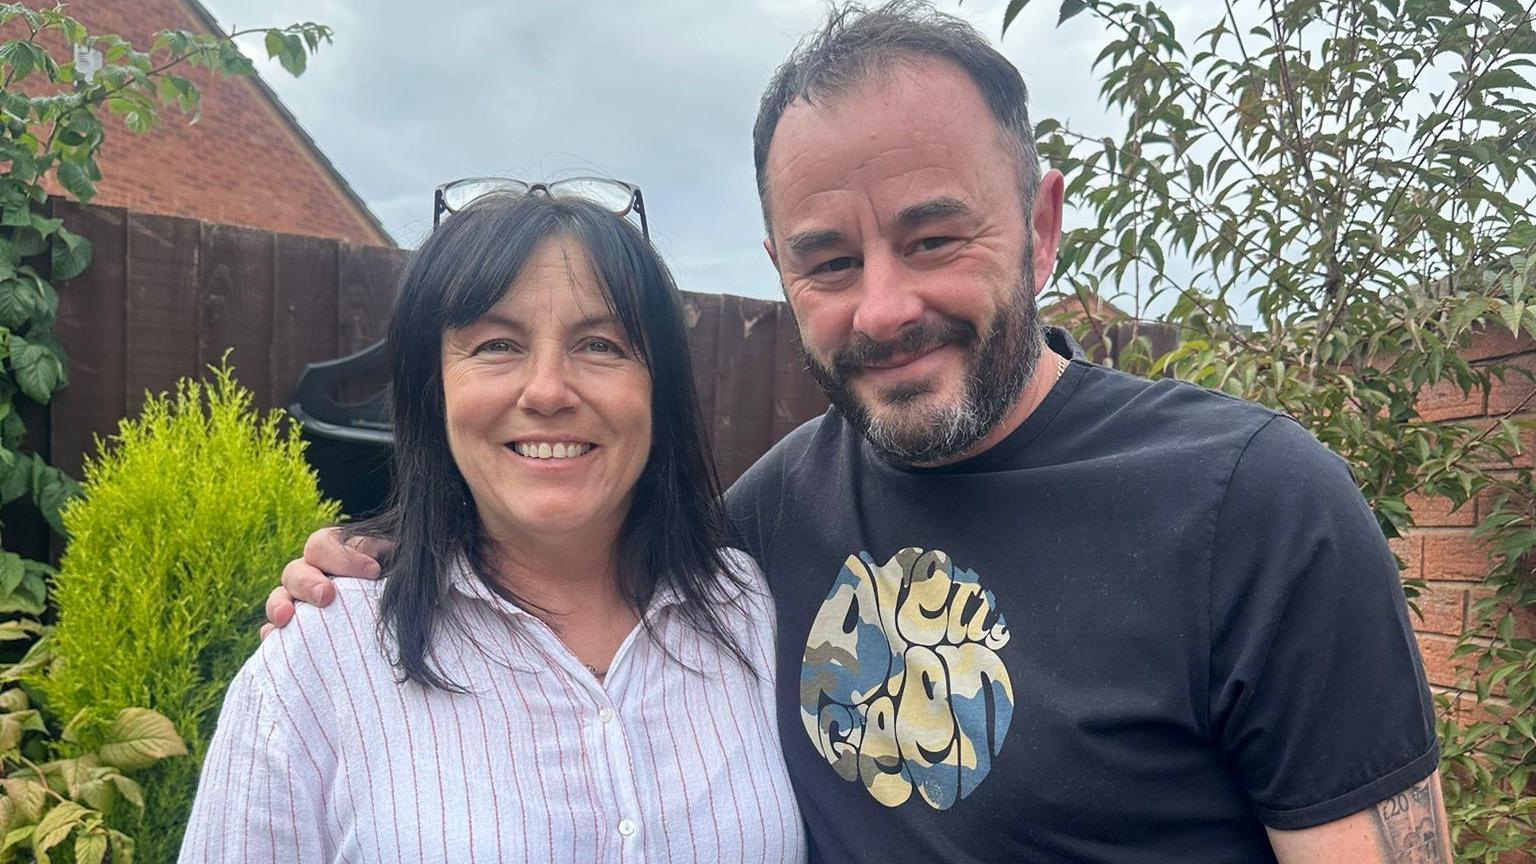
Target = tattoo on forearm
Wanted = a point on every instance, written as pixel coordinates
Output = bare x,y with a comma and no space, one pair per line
1409,829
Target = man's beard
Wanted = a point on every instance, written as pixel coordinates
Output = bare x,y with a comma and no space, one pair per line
996,369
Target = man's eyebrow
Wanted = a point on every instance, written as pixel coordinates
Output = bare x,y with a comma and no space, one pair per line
815,240
924,212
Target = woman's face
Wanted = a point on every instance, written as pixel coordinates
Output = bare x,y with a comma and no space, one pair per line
548,408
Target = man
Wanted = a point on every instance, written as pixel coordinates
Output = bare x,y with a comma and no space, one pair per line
1032,609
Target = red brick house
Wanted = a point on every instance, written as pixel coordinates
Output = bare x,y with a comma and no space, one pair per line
245,162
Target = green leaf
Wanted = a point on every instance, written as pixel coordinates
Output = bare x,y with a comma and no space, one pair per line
91,848
71,255
28,241
18,836
38,369
1012,12
274,43
21,56
1069,8
129,789
44,225
56,824
29,598
73,177
293,57
51,490
17,216
139,738
1501,78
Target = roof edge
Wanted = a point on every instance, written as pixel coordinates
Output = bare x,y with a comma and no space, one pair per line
212,25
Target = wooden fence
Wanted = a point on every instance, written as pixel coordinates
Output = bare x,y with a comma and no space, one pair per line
164,297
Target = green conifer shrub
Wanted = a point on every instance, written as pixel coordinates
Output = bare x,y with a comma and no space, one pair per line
188,515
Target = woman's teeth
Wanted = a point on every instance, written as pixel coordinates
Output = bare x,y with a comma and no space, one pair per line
551,451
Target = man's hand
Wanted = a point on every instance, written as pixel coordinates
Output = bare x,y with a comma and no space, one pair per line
306,580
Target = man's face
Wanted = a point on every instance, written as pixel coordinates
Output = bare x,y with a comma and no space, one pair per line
908,257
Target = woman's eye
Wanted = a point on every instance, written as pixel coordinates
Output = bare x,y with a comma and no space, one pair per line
603,346
495,346
836,265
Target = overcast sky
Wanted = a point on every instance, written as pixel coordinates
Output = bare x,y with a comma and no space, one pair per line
661,93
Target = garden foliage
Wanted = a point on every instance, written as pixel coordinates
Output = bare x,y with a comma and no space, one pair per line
188,515
1330,199
65,777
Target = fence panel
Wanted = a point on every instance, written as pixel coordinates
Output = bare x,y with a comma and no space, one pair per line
92,326
235,303
744,381
164,296
162,304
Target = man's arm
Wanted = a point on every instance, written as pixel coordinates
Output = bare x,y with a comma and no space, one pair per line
1407,828
307,579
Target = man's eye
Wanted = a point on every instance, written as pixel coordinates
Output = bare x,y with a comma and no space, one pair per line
836,265
929,244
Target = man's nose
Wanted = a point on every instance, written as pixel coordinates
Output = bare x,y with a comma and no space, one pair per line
549,387
888,301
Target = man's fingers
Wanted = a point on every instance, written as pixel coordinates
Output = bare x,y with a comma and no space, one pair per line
279,607
304,583
267,630
325,552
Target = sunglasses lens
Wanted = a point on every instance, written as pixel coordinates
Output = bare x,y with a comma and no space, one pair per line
458,195
611,196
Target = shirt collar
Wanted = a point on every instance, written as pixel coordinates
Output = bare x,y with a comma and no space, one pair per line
463,579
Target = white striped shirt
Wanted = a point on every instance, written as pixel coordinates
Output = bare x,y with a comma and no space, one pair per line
320,756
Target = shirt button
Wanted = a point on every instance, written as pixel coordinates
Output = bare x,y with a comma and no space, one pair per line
605,715
627,828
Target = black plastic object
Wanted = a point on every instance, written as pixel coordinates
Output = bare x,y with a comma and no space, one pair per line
349,441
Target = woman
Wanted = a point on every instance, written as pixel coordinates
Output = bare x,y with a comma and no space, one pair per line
564,664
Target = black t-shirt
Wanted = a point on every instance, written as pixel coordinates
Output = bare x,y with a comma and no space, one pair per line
1149,622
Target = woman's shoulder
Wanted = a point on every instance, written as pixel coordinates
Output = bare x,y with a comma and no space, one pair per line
324,642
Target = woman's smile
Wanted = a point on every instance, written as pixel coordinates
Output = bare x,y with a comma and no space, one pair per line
544,450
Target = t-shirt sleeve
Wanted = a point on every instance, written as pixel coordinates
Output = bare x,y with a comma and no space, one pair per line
1317,694
752,504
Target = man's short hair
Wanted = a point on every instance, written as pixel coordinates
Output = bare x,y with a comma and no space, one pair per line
857,42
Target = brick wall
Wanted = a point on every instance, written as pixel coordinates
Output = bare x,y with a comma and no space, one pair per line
1441,550
242,163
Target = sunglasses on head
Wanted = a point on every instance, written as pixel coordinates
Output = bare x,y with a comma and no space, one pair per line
615,196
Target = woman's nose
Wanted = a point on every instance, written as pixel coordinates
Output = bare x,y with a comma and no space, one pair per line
548,389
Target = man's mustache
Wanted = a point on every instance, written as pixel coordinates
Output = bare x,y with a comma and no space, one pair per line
862,351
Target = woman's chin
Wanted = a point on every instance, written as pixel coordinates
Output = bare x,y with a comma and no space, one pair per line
544,520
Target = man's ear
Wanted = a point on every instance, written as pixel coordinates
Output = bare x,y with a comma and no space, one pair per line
1045,222
772,254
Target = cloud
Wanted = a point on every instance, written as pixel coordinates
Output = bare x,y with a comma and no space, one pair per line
661,93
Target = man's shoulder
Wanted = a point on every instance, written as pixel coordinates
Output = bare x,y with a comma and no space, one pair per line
1179,424
1170,399
767,474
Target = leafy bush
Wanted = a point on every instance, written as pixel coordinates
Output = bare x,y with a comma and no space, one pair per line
62,805
1333,197
187,517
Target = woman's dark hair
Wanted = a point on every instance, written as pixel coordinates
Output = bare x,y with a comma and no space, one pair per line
675,527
